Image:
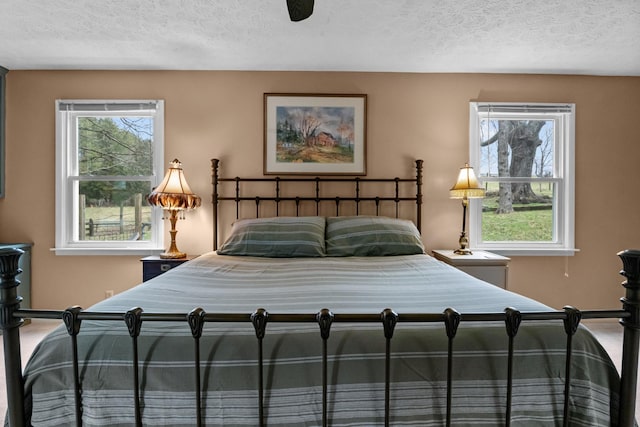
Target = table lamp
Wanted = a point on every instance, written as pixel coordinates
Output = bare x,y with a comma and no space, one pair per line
174,195
465,188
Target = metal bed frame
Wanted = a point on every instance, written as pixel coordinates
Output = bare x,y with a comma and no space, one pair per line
12,317
317,198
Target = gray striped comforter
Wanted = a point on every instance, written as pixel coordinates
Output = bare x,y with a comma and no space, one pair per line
409,284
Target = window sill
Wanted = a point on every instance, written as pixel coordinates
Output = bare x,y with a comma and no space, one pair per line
107,251
531,251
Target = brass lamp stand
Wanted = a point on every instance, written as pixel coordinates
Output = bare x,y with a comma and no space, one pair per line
173,252
464,241
466,187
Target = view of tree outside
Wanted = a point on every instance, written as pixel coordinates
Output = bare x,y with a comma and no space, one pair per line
516,168
115,163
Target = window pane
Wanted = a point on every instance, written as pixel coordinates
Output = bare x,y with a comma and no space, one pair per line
516,148
114,210
524,222
115,145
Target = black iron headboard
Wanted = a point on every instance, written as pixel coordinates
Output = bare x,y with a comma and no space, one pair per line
315,196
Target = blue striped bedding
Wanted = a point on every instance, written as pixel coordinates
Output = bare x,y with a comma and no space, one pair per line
407,284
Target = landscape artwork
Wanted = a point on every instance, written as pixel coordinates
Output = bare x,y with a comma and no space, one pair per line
315,134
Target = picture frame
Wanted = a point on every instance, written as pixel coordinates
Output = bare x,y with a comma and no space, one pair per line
315,134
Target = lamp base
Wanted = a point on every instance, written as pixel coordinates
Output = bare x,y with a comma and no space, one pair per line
173,255
173,252
463,251
464,245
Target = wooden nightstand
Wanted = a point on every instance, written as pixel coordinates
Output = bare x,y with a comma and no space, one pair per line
153,265
484,265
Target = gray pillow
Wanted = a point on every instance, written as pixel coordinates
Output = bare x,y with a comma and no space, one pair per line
372,236
277,237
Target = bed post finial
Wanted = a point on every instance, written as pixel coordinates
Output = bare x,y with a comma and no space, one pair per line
631,304
9,303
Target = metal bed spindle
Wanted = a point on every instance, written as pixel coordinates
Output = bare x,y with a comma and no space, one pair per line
195,318
389,321
133,319
73,323
325,319
571,323
259,320
512,321
451,323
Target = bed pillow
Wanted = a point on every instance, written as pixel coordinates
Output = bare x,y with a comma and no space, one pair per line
277,237
372,236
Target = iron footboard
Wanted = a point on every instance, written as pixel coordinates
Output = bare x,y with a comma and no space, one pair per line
12,317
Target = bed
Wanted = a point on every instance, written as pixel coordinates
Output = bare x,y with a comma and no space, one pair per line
313,319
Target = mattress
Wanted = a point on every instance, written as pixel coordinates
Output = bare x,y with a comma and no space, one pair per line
292,352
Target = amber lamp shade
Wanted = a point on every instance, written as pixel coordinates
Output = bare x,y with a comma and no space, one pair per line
466,187
174,195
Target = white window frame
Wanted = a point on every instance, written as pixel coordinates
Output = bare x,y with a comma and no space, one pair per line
67,170
563,242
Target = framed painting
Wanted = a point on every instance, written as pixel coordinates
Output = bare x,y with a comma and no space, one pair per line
315,134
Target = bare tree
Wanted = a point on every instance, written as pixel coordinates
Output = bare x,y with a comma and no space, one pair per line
308,127
505,199
524,142
545,159
520,140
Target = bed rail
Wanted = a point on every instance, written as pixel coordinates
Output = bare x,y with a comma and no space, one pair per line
12,317
316,195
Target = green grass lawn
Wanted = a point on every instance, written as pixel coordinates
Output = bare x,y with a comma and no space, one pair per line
534,226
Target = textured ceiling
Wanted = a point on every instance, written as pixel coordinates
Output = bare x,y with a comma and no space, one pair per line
600,37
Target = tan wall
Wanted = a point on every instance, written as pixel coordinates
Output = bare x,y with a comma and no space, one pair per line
219,114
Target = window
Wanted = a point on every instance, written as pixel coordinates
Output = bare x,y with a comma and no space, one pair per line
108,157
524,157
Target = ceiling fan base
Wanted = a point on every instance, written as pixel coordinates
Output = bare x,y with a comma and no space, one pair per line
300,9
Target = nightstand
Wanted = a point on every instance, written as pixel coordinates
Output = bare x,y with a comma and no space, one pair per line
153,265
484,265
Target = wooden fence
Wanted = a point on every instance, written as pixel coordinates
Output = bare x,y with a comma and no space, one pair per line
108,229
